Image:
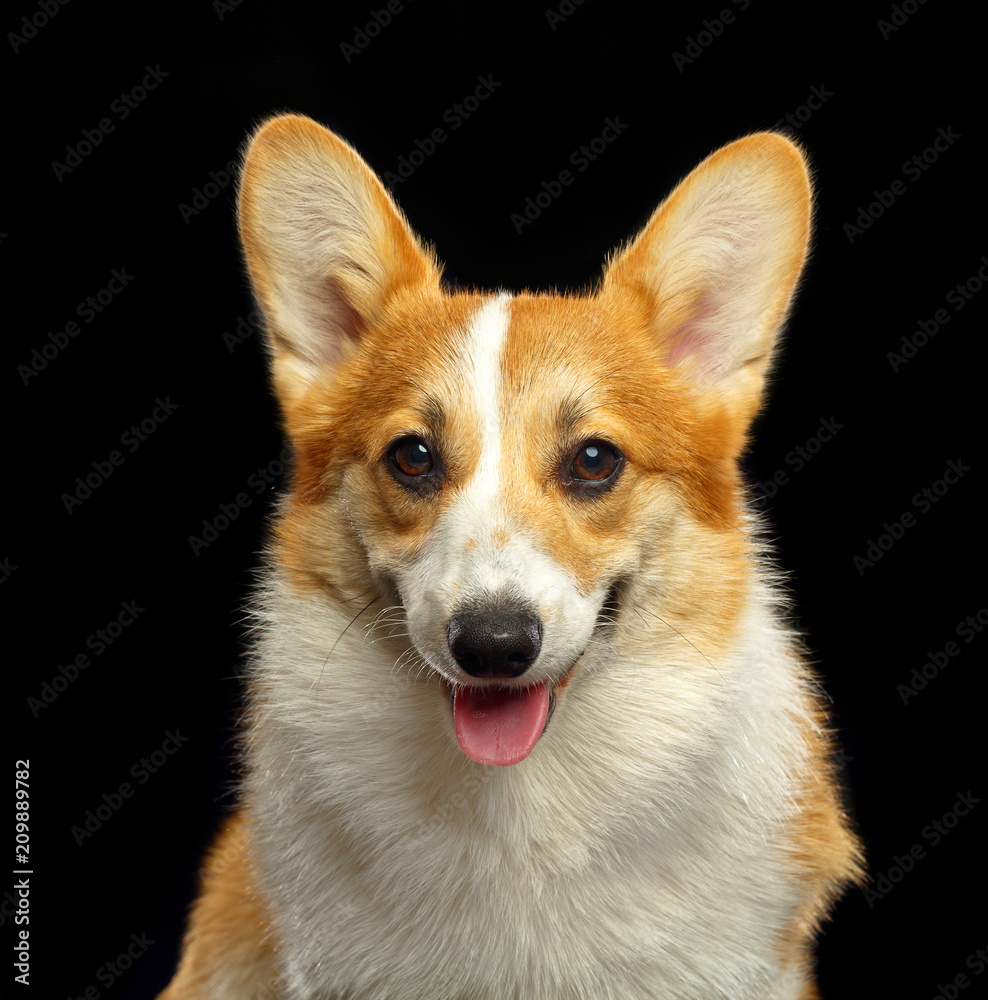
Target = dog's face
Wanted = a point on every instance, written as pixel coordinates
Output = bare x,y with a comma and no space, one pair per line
517,473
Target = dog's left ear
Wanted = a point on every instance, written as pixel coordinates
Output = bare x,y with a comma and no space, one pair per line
718,264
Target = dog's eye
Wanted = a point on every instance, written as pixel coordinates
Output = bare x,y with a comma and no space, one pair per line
594,462
412,457
413,463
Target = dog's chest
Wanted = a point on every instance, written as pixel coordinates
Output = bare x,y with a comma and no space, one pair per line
532,909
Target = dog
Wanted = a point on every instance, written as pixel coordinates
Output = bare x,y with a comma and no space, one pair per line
527,720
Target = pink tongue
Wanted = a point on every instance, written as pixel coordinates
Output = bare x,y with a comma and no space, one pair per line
499,726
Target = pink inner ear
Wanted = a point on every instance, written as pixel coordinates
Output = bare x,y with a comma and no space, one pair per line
330,323
342,325
687,341
699,339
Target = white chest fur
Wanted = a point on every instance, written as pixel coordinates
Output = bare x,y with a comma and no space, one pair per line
639,852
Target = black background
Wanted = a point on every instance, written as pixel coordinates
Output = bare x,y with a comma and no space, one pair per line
222,68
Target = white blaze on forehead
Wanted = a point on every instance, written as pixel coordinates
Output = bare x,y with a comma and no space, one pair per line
481,360
477,555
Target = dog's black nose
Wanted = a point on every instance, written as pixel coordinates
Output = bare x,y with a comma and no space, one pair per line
503,644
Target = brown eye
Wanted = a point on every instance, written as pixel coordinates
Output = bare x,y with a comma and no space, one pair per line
412,457
594,462
592,469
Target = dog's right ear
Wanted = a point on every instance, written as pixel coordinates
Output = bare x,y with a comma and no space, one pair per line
325,247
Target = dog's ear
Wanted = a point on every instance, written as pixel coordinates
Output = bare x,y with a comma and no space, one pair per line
718,264
325,247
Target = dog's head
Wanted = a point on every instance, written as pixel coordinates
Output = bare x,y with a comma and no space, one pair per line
519,474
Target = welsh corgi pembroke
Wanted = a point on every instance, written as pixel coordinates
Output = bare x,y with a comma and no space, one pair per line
526,718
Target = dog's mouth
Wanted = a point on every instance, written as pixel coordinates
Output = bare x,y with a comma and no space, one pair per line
496,725
501,725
